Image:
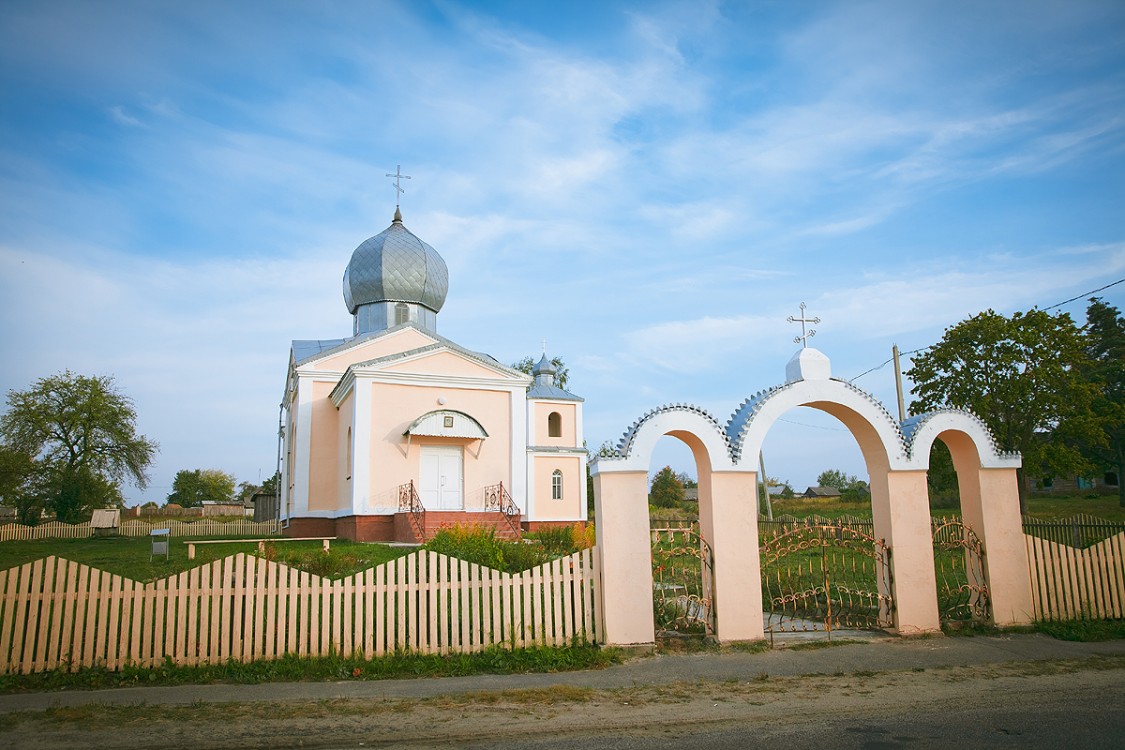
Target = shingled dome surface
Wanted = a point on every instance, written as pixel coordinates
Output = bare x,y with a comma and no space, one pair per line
395,266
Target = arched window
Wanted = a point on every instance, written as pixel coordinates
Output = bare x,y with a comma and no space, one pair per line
402,313
556,485
554,425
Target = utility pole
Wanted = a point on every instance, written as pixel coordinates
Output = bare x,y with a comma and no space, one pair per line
898,385
765,486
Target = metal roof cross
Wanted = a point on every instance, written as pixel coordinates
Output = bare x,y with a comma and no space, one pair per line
399,177
803,339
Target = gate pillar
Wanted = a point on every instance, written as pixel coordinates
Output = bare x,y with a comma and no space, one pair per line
621,510
901,506
731,528
991,506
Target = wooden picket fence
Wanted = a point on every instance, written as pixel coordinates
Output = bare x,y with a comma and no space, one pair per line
1069,583
133,527
58,613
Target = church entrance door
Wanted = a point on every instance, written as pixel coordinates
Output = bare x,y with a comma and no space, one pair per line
440,480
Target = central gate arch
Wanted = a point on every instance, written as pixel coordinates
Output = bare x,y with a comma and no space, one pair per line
896,456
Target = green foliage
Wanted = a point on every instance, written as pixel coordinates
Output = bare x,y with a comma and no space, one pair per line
1083,630
481,546
557,541
667,491
1022,376
17,474
192,488
942,478
81,433
291,668
1104,444
562,372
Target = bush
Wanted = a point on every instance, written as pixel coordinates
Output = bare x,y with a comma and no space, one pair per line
479,545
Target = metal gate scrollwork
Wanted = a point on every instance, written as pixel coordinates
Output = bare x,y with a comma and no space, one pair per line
681,582
826,577
962,582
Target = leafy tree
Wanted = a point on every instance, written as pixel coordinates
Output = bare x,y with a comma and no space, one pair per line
1022,376
82,435
1105,370
667,490
562,372
686,480
851,487
272,486
192,488
17,485
834,478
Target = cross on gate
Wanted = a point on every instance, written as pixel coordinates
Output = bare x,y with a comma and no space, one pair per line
803,339
399,177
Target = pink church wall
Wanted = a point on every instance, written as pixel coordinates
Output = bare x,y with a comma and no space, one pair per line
443,363
394,407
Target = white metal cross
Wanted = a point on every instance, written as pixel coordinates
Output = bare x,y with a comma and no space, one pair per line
399,177
803,339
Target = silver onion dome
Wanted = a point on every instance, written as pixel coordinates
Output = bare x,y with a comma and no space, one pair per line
395,266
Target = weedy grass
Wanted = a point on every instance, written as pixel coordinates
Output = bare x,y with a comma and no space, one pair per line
331,668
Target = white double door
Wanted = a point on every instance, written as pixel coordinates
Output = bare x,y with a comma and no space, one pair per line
440,480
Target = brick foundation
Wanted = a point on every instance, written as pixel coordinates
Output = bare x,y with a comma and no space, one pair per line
300,527
368,529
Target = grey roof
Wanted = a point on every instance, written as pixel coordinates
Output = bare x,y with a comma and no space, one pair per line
395,266
310,349
552,392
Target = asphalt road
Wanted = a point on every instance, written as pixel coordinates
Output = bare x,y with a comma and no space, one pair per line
1018,691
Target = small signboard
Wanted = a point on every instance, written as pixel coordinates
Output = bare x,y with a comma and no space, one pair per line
160,538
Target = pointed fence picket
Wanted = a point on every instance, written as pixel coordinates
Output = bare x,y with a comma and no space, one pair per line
57,613
1069,583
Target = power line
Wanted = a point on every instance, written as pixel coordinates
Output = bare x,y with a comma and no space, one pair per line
1045,309
1080,296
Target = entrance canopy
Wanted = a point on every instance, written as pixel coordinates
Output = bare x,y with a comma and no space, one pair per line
446,423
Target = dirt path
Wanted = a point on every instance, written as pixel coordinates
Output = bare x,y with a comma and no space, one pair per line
762,706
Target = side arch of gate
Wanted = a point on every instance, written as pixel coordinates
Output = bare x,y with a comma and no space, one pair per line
728,527
991,531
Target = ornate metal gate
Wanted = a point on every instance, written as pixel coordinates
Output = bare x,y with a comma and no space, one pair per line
681,582
826,577
961,579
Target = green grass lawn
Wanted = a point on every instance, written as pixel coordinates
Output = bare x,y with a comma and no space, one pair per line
129,556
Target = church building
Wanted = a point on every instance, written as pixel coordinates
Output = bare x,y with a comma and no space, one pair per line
395,431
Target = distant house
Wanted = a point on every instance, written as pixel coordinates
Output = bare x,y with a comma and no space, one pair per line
1105,483
823,492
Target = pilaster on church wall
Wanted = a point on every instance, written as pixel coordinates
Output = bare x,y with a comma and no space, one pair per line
324,458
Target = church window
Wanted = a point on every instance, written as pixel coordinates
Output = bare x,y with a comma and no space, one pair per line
556,485
349,454
554,425
402,313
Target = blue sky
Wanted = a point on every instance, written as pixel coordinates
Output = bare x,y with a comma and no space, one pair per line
651,187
